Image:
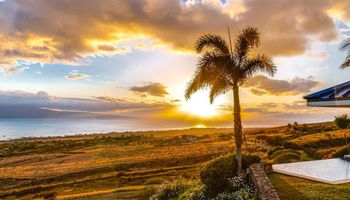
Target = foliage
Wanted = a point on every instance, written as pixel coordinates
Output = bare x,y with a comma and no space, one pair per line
195,192
25,147
170,190
346,47
311,152
342,152
342,121
286,158
321,143
148,192
217,172
273,149
154,180
283,151
221,68
275,140
292,188
239,190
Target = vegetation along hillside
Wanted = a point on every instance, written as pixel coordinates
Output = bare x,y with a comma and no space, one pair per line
139,165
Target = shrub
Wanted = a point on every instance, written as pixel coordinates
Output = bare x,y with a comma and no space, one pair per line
148,192
154,180
275,140
310,152
240,190
49,196
292,145
261,137
342,152
342,121
216,173
283,151
169,191
273,149
286,158
195,192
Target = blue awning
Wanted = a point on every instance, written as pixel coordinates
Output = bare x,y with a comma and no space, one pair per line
336,96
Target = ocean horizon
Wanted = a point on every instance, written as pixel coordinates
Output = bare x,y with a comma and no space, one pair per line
50,127
19,128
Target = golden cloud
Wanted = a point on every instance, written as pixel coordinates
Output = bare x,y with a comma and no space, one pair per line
262,85
67,31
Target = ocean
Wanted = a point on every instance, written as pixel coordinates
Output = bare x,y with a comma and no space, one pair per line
18,128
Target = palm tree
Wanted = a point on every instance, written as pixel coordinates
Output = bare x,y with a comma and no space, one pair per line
344,47
222,69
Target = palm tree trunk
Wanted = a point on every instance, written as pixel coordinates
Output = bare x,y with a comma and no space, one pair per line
237,127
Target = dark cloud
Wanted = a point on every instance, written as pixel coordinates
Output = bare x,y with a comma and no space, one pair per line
262,85
42,105
66,31
153,89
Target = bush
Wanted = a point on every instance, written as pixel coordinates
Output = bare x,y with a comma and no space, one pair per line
261,137
216,173
273,149
283,151
148,192
154,180
169,191
286,158
311,152
195,192
342,152
342,121
275,140
292,145
240,190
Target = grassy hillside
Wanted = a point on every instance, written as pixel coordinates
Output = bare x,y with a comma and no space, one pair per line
128,165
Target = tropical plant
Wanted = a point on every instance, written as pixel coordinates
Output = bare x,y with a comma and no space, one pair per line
216,174
222,68
342,121
346,47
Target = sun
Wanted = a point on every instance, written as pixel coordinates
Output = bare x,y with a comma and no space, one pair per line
199,105
200,126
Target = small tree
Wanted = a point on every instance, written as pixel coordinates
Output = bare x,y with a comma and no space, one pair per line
289,127
295,127
342,121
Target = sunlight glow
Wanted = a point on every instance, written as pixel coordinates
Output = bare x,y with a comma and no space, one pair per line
200,126
199,105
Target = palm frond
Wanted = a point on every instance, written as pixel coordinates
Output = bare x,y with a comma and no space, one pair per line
345,45
259,63
220,86
209,67
245,41
212,42
346,63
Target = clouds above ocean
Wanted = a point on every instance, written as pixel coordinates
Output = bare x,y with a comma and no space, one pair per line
153,89
67,31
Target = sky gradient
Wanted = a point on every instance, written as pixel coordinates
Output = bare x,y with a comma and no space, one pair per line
133,59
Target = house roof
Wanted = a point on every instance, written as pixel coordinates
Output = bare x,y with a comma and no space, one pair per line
341,91
336,96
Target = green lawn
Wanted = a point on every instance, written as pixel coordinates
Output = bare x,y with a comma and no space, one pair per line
292,188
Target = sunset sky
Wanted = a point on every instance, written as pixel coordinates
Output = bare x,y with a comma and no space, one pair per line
133,58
